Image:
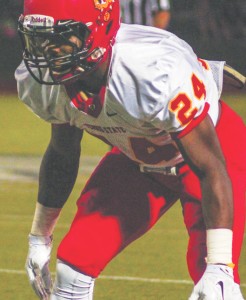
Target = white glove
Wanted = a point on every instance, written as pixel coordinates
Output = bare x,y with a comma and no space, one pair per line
37,265
217,283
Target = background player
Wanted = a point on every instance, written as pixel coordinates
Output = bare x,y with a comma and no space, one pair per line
151,12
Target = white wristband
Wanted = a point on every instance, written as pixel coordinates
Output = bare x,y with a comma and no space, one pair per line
219,246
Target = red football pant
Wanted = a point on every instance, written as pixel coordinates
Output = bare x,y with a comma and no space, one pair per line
119,204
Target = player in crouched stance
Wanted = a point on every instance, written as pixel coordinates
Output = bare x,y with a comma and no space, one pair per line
145,92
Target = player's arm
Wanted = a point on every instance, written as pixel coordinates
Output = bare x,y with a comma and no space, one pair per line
57,176
201,150
161,19
59,166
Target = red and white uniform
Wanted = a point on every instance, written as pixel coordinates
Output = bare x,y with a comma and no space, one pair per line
157,88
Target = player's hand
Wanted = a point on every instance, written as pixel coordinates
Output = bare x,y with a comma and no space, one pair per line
217,283
37,265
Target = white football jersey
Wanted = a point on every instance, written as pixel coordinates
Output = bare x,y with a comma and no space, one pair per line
156,86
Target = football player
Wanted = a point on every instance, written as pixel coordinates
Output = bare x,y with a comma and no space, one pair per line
145,92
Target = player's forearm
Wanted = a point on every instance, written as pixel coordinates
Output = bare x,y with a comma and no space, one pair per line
201,150
217,206
44,220
58,173
217,199
161,19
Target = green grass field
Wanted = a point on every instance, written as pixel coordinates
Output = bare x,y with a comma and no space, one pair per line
152,268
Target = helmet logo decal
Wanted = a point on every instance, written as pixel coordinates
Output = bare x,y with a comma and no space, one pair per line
101,4
38,20
106,16
61,22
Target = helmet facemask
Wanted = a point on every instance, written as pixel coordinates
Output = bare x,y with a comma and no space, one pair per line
62,48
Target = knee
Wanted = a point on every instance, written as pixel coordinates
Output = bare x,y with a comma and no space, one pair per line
71,284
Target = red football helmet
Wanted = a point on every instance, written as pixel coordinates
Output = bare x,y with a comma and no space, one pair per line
69,37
